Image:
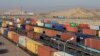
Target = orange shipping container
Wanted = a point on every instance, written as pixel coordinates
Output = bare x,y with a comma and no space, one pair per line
50,33
93,43
45,51
72,29
84,26
89,31
33,35
36,35
30,34
22,21
10,34
15,37
67,36
28,27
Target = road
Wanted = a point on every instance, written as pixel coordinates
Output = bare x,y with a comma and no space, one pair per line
10,49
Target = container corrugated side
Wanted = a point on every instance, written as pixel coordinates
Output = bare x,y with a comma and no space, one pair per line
32,45
95,27
38,29
48,25
22,41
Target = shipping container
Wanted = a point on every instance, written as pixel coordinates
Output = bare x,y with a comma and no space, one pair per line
68,36
84,26
10,35
2,30
47,25
45,51
28,27
61,17
38,29
50,33
33,45
22,41
33,35
4,24
33,21
10,23
15,38
21,20
95,27
5,32
89,32
58,26
54,22
30,34
18,25
36,36
81,35
98,33
93,43
11,27
27,21
60,53
22,26
74,24
72,29
39,23
46,21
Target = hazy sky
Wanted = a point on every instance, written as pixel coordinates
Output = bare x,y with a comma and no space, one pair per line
48,5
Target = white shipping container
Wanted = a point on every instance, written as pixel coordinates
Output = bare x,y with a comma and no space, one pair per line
40,24
22,41
10,23
27,22
60,53
94,27
18,25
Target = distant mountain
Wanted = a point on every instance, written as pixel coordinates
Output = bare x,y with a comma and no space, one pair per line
76,12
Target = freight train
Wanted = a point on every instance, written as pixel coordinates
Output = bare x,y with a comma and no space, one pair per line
85,36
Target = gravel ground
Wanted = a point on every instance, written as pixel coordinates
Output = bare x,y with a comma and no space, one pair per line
9,49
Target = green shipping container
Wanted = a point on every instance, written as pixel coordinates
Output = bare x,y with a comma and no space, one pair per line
74,24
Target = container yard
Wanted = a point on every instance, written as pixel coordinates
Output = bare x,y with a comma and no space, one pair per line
49,28
46,38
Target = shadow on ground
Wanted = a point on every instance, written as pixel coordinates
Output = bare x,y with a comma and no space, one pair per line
1,43
3,51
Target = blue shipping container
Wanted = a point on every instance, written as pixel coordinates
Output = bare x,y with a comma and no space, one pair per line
58,27
54,22
5,32
48,25
81,36
22,27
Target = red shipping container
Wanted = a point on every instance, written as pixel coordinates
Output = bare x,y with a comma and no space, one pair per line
45,51
30,34
15,37
50,33
66,24
46,21
11,27
33,21
93,43
33,35
68,36
89,31
84,26
36,35
72,29
28,27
